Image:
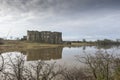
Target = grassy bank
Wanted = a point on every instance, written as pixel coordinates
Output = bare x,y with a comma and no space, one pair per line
23,45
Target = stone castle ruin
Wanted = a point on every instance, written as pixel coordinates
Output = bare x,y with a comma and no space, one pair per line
45,37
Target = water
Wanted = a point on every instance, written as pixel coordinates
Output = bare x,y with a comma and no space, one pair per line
62,55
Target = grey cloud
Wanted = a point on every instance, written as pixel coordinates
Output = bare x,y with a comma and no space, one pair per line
72,17
58,5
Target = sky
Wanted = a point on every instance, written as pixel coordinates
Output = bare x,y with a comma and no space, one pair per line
76,19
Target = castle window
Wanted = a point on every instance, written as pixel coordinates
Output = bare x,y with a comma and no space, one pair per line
48,36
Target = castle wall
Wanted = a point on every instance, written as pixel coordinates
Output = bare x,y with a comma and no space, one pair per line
44,37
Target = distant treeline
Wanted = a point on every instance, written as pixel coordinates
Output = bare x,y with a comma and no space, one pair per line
99,42
107,42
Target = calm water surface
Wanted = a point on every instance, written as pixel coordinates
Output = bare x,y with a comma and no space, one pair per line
64,56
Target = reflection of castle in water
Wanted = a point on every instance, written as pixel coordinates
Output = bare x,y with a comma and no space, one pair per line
44,54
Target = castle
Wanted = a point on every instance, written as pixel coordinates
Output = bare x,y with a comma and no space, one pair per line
45,37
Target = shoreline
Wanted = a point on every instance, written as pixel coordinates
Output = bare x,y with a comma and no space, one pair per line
33,45
25,45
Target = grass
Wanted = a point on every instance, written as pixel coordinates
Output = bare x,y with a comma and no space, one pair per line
12,44
24,45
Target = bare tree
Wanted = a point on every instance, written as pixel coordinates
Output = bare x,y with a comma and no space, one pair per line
43,71
76,74
16,68
2,63
38,70
117,69
2,66
100,64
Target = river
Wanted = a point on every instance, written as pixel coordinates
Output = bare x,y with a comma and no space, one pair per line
62,55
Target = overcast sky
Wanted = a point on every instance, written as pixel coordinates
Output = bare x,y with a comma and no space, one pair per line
76,19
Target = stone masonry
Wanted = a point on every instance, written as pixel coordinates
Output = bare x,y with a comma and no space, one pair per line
45,37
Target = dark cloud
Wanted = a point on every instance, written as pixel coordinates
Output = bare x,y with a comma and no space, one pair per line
58,5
